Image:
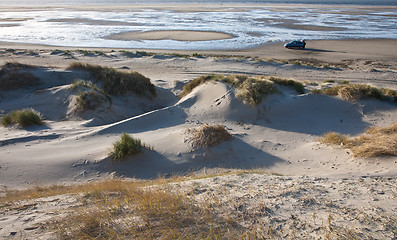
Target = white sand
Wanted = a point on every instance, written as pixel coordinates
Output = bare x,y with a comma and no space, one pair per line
279,136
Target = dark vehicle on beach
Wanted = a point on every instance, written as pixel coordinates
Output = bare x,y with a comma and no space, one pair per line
296,44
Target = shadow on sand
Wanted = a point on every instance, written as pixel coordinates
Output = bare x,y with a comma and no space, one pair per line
161,118
235,154
319,50
318,114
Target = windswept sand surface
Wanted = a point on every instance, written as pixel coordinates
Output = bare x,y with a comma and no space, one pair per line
278,136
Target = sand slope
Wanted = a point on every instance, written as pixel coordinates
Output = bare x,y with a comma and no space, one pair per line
278,135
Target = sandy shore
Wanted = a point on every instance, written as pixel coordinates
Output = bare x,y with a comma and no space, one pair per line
327,50
170,35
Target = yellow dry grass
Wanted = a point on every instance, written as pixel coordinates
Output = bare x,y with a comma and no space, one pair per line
143,213
375,142
107,185
121,209
354,92
118,209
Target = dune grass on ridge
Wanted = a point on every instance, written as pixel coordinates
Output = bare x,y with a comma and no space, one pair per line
353,92
375,142
14,75
115,82
298,86
89,96
89,100
250,90
84,83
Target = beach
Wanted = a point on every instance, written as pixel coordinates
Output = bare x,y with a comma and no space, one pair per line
274,172
234,26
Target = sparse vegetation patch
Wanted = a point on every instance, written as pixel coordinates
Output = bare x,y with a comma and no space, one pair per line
115,82
126,211
353,92
22,118
136,54
376,141
91,53
15,75
208,135
225,206
309,62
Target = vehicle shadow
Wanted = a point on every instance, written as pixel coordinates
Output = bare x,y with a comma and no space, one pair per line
316,50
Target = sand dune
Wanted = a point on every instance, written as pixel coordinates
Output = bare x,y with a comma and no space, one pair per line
279,136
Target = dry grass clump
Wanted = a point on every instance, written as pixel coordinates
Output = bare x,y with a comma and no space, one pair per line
126,146
335,138
208,135
116,82
353,92
22,118
375,142
13,75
